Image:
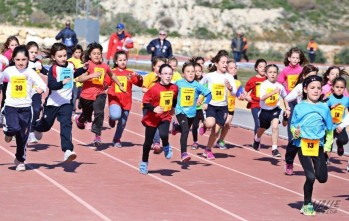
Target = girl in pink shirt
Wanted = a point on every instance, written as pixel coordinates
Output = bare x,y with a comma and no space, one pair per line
330,74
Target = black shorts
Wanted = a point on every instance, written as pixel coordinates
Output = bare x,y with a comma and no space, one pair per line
267,116
217,112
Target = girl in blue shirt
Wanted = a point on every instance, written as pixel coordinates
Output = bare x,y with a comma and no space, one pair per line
188,92
311,122
338,103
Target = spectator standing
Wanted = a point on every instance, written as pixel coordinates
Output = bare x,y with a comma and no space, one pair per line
244,49
68,37
237,46
160,47
312,48
119,41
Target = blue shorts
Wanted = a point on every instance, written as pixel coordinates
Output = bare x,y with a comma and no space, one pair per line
220,113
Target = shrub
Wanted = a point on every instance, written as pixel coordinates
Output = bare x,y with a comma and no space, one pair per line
204,33
56,7
39,17
270,55
302,5
342,57
167,22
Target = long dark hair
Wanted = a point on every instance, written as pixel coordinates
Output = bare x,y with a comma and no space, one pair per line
222,53
19,49
90,48
302,59
306,70
116,55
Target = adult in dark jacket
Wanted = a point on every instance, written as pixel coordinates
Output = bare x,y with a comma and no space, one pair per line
160,47
237,46
68,37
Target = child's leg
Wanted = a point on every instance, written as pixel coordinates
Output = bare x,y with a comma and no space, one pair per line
342,139
36,105
11,126
183,120
3,89
24,118
226,128
275,131
291,152
320,166
46,121
149,135
255,112
75,95
210,122
115,112
163,132
307,165
121,124
87,110
64,118
98,109
195,128
156,139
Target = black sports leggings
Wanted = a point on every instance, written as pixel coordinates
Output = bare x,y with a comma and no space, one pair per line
185,124
164,127
314,168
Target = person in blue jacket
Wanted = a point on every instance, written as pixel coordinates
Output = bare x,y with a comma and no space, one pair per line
68,37
160,47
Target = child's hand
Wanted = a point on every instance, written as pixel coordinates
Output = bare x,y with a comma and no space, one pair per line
297,132
199,101
66,80
158,110
339,129
122,89
85,65
96,74
204,106
287,113
228,85
277,90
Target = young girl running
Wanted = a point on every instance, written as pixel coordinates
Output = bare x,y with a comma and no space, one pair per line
338,103
119,102
311,122
148,81
294,60
76,60
93,95
330,74
252,87
17,109
231,69
342,126
173,62
199,116
270,92
220,84
158,101
188,94
58,103
297,95
7,50
36,65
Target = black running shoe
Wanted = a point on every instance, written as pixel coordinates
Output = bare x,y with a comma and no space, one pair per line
256,145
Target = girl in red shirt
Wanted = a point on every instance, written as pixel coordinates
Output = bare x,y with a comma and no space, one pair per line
119,102
159,101
93,94
252,87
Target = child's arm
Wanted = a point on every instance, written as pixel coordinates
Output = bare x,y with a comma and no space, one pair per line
266,96
39,83
85,76
116,80
329,140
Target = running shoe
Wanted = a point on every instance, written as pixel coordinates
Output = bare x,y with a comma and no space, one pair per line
174,130
111,123
185,157
69,156
276,153
117,143
221,145
340,148
78,123
156,148
308,210
202,130
289,169
143,168
208,154
32,138
20,166
168,152
195,146
97,141
256,145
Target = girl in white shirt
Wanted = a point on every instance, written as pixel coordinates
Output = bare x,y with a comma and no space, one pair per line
17,109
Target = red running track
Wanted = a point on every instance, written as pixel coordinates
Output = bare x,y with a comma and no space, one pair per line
240,184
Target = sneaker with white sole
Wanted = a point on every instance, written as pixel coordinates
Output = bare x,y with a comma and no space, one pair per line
143,168
117,143
32,138
38,135
208,154
69,156
168,152
276,153
20,166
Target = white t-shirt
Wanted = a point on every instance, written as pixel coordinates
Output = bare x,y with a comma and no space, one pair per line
274,100
216,84
20,86
296,93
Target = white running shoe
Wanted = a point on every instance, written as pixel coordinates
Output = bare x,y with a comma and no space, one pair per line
20,166
32,138
69,156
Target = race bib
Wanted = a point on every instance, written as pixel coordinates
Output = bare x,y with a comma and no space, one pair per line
166,98
272,100
18,87
310,147
100,79
66,73
231,103
218,92
337,114
258,87
123,82
291,81
187,97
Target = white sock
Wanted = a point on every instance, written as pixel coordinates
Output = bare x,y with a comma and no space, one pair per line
274,147
257,139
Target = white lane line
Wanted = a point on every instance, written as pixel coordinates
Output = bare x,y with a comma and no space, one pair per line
61,187
239,172
166,182
259,152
